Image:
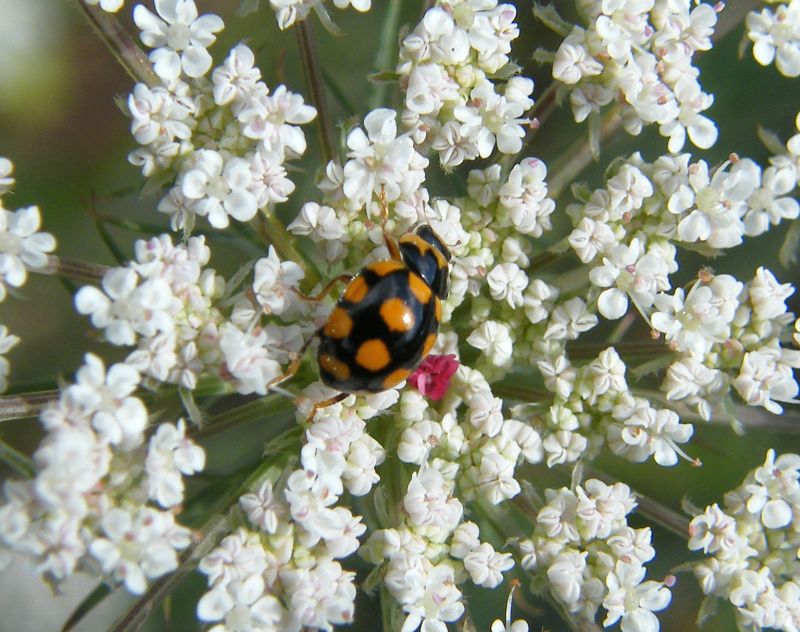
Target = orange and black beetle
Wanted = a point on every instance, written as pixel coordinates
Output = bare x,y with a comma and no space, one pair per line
387,318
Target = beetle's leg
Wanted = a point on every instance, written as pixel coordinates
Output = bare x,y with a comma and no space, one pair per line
343,278
391,244
294,365
324,404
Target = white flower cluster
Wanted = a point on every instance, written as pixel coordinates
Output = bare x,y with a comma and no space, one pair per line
445,67
167,305
281,572
724,333
727,334
223,140
751,545
383,167
629,229
593,408
776,36
102,497
583,553
639,54
287,12
465,448
22,247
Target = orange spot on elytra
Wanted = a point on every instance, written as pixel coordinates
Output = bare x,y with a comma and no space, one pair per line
338,369
356,290
382,268
397,315
429,342
373,355
339,324
419,288
395,377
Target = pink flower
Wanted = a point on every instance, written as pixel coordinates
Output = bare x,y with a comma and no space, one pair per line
432,377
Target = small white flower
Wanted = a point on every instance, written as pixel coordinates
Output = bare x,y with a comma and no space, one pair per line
507,282
438,602
179,37
237,77
238,556
569,320
632,600
219,188
273,281
22,248
247,360
493,338
139,545
429,501
170,454
776,37
764,380
767,295
486,566
381,162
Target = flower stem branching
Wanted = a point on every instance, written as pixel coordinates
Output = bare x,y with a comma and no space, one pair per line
120,43
313,72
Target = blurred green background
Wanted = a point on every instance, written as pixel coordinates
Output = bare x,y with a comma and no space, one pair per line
69,141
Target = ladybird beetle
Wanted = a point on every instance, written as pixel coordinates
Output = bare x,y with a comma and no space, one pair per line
387,317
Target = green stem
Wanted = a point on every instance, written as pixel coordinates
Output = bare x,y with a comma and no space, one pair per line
541,111
578,156
387,43
120,43
17,461
645,348
26,405
311,66
73,269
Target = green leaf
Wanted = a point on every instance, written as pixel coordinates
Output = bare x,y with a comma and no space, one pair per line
771,141
550,17
190,406
93,599
689,507
652,366
384,76
708,609
789,254
543,56
247,6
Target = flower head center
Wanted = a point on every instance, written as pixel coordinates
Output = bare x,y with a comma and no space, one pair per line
178,36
